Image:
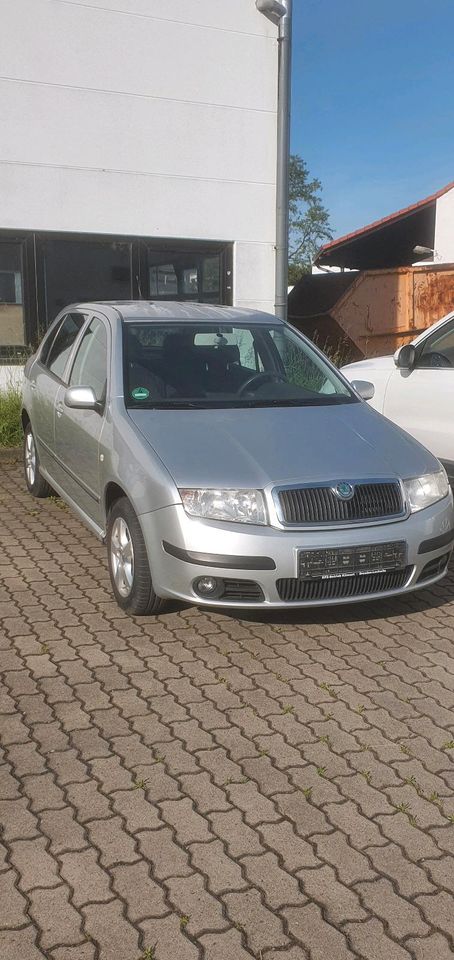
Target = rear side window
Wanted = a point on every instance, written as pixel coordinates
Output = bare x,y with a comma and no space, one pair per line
60,349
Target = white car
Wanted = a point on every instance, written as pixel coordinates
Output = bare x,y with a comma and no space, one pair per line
415,388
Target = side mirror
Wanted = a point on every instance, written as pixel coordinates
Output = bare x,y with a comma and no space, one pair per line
404,358
365,389
81,398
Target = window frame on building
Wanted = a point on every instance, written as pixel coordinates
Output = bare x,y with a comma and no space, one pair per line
37,317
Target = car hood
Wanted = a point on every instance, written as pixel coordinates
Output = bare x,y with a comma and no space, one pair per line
351,370
257,447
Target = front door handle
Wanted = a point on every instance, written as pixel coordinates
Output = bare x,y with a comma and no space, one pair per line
59,408
32,384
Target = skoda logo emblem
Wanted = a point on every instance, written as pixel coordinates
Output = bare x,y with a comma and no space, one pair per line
344,490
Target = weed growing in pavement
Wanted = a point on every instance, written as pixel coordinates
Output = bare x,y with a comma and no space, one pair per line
321,771
406,750
434,798
159,758
325,739
404,808
449,745
412,782
140,784
367,775
288,708
44,648
149,953
58,502
307,792
184,920
330,690
360,708
263,753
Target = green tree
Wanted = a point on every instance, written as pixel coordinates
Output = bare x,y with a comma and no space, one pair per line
309,225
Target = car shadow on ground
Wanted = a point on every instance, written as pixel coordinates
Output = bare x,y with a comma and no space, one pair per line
439,595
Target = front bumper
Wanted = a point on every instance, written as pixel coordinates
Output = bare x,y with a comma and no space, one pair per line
182,549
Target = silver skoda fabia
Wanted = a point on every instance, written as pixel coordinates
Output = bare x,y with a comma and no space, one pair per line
226,462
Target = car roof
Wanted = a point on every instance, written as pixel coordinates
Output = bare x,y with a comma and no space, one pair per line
176,310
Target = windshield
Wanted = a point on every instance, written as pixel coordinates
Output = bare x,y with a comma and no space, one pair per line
190,365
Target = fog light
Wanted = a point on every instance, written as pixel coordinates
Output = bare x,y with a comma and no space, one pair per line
209,587
206,585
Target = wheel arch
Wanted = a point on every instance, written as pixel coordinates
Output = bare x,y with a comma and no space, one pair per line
112,493
25,419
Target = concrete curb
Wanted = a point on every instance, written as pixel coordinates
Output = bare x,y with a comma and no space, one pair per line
10,453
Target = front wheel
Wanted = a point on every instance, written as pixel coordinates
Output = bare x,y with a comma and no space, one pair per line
128,563
36,483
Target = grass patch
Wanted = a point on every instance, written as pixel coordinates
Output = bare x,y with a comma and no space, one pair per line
10,410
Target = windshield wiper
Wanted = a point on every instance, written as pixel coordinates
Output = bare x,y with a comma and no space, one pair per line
320,401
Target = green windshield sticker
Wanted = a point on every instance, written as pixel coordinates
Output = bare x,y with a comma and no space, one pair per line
140,393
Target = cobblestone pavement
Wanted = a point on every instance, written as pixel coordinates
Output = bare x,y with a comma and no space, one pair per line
216,786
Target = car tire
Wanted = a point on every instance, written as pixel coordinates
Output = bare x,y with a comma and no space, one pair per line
36,484
129,569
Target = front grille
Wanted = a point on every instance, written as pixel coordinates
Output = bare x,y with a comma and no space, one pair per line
241,591
433,568
370,501
340,587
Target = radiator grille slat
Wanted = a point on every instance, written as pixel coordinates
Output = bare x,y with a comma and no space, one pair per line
370,501
342,587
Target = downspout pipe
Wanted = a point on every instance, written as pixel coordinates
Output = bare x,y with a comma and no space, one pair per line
282,166
281,13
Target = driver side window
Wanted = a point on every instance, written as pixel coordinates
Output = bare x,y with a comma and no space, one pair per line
438,350
56,349
90,364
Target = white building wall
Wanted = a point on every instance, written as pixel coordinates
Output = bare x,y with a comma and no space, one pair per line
143,117
444,228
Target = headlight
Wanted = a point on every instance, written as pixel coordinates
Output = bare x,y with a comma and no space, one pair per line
422,491
239,506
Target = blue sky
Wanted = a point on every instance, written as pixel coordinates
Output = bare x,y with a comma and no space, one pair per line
373,102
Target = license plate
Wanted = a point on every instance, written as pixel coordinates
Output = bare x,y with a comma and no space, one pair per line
333,562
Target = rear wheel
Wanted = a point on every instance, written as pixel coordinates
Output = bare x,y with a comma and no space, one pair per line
36,483
128,563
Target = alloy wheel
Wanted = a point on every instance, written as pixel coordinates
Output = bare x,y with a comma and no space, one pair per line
122,557
30,459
